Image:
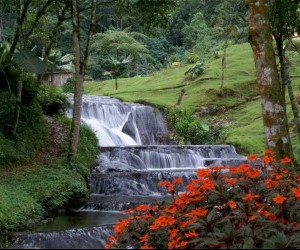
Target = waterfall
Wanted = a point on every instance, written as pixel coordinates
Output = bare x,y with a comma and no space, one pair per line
135,154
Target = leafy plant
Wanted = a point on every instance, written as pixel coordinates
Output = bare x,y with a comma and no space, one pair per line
193,130
53,101
69,86
252,206
195,71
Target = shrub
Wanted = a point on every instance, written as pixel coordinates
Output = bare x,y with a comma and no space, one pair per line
194,130
195,71
249,206
53,101
69,86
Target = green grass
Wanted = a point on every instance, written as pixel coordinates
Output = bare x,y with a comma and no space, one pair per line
29,194
242,113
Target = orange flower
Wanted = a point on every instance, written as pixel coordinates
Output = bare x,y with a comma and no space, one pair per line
119,227
267,159
269,152
279,199
173,233
177,180
250,197
200,212
162,221
173,243
232,204
203,172
252,218
243,168
146,247
296,192
271,216
183,224
144,238
191,235
286,160
207,185
230,181
270,183
179,202
142,208
252,157
253,174
171,209
171,188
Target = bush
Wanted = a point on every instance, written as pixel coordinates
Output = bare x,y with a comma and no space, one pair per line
250,206
69,86
195,71
53,101
193,130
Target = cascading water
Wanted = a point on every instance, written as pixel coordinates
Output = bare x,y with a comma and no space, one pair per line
135,154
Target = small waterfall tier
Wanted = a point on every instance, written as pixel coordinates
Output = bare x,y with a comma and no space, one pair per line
119,123
126,176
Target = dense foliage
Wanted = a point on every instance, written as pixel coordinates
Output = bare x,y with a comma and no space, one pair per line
189,129
251,206
30,195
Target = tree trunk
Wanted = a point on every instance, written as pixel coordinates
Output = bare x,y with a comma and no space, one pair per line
292,99
116,83
80,66
223,70
19,99
20,20
182,92
273,111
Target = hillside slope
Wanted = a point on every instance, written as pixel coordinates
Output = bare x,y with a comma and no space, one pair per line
239,108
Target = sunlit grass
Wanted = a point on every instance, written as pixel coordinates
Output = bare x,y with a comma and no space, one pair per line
242,104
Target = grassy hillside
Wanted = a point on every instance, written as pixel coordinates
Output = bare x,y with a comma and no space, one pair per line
239,108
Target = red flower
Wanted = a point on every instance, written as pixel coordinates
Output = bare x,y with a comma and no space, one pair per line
252,157
232,204
296,192
267,159
253,174
144,238
200,212
279,199
250,197
146,247
203,172
191,235
230,181
269,152
177,180
286,160
269,183
142,208
243,168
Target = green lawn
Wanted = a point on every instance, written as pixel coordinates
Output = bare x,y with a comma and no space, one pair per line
239,107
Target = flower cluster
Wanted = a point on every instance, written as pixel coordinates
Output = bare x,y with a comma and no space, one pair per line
255,205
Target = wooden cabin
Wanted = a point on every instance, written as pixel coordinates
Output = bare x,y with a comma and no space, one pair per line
56,78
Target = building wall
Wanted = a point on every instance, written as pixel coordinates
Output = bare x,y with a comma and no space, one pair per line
56,79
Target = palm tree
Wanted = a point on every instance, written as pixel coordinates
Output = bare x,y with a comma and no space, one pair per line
121,47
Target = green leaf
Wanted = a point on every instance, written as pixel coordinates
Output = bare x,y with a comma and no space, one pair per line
29,62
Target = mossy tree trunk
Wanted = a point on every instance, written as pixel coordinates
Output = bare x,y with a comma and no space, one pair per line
273,109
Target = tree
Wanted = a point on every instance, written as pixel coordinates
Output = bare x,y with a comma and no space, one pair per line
285,21
80,67
273,107
121,47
